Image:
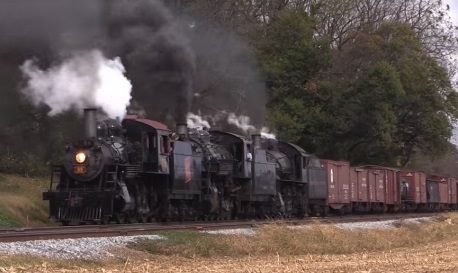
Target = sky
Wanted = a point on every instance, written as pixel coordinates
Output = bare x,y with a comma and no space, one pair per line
454,17
453,10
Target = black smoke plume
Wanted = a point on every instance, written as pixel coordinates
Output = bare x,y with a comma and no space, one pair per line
227,77
176,64
156,54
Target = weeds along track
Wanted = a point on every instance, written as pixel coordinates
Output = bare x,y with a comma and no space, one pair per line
66,232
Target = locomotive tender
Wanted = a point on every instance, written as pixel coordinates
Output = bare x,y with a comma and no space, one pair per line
139,170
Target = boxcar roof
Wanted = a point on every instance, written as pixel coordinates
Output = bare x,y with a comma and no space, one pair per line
378,167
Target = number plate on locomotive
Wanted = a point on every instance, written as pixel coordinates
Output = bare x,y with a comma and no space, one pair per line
79,169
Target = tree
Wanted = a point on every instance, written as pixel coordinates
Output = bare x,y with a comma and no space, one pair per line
294,61
371,118
418,101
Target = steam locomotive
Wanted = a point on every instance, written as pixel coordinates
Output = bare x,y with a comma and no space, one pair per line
138,170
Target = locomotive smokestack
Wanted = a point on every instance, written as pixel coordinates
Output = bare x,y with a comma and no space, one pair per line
182,130
256,138
90,126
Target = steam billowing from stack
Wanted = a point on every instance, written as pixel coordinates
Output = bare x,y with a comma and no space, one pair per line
241,122
84,80
196,121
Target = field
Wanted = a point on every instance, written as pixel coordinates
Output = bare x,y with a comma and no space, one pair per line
22,203
426,247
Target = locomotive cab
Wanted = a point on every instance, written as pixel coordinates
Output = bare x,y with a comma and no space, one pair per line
240,148
151,143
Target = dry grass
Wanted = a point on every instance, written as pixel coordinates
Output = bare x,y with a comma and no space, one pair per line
21,201
431,247
318,239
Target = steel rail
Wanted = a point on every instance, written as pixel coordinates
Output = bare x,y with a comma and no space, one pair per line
72,232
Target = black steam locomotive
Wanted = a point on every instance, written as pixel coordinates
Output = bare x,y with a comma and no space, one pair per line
138,170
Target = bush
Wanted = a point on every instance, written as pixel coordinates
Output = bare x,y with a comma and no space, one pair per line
26,165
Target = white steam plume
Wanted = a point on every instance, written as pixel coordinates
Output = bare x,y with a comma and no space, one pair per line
196,121
86,79
265,133
243,122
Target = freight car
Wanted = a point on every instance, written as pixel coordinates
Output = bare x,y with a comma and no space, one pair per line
414,192
139,170
378,189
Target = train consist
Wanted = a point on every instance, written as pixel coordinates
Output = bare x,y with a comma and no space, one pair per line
138,170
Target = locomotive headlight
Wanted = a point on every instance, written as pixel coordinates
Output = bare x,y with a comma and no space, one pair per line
80,157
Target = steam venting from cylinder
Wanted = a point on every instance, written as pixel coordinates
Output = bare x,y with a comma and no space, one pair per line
90,127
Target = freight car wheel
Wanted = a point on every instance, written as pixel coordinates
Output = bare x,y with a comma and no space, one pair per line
65,222
325,211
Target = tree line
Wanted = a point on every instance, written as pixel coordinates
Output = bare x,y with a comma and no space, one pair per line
369,81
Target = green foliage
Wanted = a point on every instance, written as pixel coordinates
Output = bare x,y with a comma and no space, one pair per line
25,164
293,60
383,97
370,115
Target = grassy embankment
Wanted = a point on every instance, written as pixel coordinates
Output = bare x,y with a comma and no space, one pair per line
429,247
21,201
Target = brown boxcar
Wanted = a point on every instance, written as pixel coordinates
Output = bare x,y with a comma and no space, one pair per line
443,193
386,183
413,190
338,181
359,189
358,185
447,190
376,183
453,197
454,193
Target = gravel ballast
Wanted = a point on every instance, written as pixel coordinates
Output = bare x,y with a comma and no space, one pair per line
381,224
81,248
97,248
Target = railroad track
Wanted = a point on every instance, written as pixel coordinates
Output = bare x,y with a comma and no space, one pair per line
67,232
